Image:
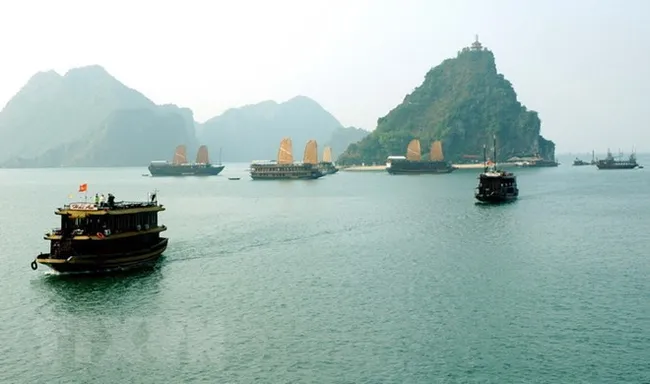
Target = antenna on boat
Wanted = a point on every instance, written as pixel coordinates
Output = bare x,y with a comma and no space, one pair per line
220,155
494,160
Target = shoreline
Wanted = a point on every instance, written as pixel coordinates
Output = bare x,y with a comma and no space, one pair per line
379,168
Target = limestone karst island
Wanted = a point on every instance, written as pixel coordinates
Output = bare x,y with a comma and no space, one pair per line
462,102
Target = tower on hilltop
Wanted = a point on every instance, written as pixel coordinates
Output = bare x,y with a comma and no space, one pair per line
476,45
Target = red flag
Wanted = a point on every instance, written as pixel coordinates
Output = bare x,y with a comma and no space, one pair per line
83,187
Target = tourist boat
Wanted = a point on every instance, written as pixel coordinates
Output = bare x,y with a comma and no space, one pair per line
495,186
413,164
181,167
104,237
284,167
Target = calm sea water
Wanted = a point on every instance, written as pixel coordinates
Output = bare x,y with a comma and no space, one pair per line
353,278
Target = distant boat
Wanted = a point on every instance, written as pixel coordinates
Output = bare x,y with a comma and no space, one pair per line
496,186
181,167
233,178
412,163
284,168
326,165
579,162
611,163
537,162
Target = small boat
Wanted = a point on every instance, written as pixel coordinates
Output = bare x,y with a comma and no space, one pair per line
105,237
579,162
496,186
233,178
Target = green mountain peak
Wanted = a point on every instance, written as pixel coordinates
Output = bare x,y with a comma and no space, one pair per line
463,102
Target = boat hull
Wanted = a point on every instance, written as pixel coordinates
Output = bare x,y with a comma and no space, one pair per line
617,166
312,176
419,172
185,170
97,263
495,199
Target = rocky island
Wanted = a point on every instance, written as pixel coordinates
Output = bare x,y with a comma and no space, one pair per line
463,102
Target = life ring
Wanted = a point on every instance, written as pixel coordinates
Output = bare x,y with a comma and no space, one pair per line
100,235
34,265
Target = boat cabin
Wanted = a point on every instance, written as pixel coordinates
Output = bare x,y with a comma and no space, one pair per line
497,183
102,220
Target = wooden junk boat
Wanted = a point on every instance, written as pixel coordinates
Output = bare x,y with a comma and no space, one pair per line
495,186
105,237
180,166
413,163
327,165
284,168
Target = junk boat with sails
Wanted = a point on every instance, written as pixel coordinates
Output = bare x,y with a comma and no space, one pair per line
412,163
104,237
181,167
284,167
495,186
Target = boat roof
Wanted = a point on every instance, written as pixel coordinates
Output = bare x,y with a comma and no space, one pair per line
497,174
274,162
396,158
81,209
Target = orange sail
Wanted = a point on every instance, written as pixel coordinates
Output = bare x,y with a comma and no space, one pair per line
435,154
311,153
285,155
413,151
180,156
327,155
83,187
202,155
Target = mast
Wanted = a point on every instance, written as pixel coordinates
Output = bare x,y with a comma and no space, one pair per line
485,165
219,155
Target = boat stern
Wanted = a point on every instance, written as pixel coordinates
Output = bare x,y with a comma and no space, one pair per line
47,259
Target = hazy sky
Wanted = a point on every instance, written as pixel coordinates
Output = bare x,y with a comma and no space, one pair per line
582,64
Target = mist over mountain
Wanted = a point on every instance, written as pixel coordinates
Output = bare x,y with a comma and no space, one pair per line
255,131
89,118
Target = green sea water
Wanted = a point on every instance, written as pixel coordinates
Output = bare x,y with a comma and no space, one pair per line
352,278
